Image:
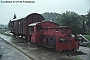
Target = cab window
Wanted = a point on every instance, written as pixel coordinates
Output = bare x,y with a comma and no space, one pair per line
39,28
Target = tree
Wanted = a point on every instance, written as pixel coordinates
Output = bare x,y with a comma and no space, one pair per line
88,22
70,19
50,16
83,24
88,19
9,24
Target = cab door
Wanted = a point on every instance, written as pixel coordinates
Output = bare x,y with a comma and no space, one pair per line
38,33
35,34
31,33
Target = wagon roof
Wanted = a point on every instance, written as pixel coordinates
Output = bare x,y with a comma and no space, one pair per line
19,18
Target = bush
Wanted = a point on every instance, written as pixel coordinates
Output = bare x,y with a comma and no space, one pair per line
0,55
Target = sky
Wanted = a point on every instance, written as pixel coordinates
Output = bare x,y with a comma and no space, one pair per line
8,9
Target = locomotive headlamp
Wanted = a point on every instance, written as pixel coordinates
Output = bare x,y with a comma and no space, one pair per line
61,40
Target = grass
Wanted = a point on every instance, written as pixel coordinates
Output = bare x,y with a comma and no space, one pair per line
74,58
87,36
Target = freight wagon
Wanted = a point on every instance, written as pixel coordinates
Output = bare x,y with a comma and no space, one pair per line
20,26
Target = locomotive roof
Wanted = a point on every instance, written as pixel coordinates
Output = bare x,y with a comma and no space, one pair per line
56,27
36,23
33,24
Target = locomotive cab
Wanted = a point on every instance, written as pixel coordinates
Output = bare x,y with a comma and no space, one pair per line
35,32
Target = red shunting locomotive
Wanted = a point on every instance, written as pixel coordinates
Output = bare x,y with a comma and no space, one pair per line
52,35
48,34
